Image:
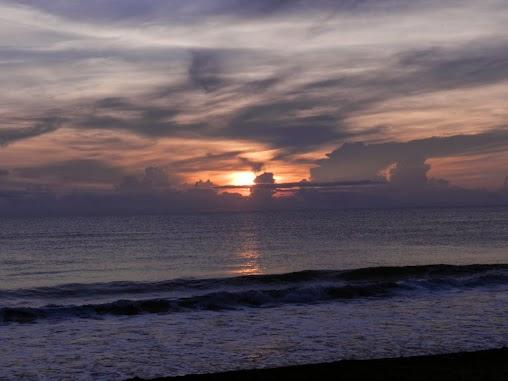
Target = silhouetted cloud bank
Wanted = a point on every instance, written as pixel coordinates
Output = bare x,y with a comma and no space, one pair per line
356,175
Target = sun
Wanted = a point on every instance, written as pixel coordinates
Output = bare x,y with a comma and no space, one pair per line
242,178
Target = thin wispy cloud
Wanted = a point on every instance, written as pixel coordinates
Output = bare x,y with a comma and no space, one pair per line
203,89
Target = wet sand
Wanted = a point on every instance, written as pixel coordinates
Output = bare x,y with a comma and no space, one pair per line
489,365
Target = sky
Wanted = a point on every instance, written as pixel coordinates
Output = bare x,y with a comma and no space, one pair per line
162,105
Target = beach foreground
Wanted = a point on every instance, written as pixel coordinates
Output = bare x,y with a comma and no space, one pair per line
489,365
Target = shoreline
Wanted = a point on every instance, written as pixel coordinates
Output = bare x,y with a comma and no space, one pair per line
489,365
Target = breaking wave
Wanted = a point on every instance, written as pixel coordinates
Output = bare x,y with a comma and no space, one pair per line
255,291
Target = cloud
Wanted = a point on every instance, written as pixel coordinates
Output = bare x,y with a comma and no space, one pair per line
154,179
205,70
260,192
256,72
471,64
224,161
409,172
116,10
416,72
271,96
264,178
204,198
255,166
283,124
354,161
43,126
183,11
287,114
72,172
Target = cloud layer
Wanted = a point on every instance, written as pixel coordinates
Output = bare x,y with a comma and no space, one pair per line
96,93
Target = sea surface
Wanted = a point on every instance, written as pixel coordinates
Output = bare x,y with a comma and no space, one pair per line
108,298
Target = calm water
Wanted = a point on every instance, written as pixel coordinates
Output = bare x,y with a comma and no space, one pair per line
116,297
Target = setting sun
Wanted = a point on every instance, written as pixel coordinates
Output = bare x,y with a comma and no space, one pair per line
242,178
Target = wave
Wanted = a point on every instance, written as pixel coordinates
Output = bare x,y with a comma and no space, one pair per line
255,291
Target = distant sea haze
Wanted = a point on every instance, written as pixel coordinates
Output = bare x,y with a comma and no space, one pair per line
118,297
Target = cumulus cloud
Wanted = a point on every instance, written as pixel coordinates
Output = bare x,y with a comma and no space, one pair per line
205,198
154,179
204,184
402,162
262,190
264,178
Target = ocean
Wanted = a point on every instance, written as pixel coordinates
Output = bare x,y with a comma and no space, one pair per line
116,297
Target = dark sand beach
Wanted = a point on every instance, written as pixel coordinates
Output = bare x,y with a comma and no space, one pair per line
489,365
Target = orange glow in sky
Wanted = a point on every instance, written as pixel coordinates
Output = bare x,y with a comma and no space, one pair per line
242,178
231,110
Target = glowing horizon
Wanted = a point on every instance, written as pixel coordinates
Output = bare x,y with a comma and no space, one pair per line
222,92
242,178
